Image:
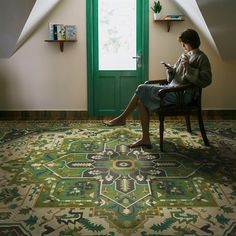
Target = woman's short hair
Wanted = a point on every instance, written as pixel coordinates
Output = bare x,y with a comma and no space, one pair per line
190,37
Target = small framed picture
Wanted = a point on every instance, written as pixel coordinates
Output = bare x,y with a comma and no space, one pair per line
71,32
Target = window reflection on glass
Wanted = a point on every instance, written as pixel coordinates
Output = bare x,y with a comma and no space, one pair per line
117,34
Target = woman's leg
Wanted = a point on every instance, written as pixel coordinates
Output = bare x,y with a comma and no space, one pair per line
145,119
120,120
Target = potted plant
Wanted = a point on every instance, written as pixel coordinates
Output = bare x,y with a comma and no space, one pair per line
156,9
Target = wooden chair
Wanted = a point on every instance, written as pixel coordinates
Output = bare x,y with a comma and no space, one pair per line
179,109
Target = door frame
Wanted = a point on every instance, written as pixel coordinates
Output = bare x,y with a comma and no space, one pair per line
91,44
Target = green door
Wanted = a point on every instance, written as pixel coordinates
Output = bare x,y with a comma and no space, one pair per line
117,53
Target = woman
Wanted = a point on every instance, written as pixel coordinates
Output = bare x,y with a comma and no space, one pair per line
192,67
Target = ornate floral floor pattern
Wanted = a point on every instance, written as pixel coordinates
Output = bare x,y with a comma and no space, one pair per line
80,178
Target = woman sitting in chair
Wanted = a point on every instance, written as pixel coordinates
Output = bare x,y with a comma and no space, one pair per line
192,67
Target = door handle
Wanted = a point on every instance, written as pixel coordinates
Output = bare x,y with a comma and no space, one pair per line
139,60
137,57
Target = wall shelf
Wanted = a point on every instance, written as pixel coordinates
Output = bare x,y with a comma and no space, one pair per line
61,42
168,22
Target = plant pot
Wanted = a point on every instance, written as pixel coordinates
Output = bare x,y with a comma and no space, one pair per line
157,16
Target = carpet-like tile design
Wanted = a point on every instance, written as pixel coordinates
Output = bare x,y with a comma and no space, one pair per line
80,178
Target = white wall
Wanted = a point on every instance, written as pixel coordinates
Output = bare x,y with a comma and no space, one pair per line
39,77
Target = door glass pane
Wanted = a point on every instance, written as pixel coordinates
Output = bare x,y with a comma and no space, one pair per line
117,34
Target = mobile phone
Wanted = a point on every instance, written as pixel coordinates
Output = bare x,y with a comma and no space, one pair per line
166,65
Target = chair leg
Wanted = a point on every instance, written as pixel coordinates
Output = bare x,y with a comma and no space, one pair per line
161,131
187,120
202,129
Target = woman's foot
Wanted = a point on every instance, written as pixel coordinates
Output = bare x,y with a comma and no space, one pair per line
114,122
141,143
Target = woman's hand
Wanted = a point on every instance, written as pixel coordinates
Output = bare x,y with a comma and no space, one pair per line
169,68
184,60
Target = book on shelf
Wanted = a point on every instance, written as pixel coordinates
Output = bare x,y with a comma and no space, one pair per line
71,32
52,31
61,32
55,32
173,17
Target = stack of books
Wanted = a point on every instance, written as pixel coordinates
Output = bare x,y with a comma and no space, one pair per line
61,32
173,17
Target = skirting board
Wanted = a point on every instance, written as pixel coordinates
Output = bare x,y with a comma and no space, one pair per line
83,115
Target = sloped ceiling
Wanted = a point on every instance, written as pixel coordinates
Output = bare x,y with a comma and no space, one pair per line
216,20
13,15
220,18
18,19
40,10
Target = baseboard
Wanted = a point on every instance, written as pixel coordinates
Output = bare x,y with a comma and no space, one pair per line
83,115
43,115
219,114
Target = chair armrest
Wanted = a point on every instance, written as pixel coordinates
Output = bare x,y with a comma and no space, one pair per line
179,92
177,89
163,81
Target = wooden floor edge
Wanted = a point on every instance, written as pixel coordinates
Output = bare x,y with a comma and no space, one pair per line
83,115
